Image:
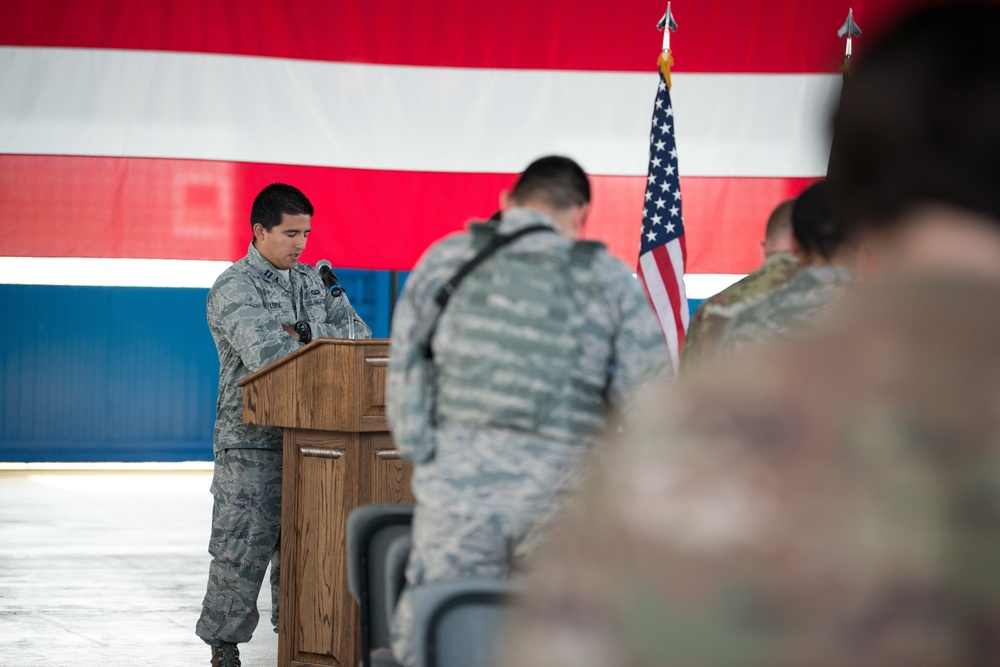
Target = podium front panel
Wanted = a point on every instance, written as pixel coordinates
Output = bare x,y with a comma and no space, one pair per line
326,475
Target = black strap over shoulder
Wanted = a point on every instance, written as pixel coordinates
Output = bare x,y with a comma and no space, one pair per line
495,242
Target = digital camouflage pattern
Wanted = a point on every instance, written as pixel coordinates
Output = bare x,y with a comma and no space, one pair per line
487,470
509,355
709,323
247,306
246,525
830,501
246,309
789,309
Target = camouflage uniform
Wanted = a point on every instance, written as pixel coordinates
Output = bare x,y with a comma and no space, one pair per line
829,502
247,307
710,320
486,487
793,307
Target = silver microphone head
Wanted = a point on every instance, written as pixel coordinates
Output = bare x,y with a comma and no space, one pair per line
321,263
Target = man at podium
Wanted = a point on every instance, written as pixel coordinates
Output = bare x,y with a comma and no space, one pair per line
260,309
529,336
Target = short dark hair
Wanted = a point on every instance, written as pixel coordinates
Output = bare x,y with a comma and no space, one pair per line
818,229
555,181
919,120
276,200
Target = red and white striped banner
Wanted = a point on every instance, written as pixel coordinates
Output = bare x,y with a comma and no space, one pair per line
144,130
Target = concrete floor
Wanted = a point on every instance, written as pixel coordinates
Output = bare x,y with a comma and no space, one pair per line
108,568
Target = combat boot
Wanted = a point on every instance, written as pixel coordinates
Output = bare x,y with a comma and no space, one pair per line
226,654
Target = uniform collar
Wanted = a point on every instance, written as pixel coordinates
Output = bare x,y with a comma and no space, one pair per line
265,268
780,257
518,218
829,273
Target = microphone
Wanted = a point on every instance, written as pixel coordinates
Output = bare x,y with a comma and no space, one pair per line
329,278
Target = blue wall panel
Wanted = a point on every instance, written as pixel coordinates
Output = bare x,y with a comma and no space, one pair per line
96,373
122,373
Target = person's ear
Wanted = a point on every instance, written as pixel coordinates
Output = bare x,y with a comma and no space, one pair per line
506,203
799,253
258,231
580,218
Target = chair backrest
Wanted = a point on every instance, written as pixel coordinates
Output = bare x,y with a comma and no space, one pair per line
395,572
459,623
371,531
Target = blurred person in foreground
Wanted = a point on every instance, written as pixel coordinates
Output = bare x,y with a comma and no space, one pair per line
834,500
828,256
714,315
534,351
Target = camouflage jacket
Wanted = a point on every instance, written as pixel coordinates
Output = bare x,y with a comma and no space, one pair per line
791,308
829,501
247,306
710,320
475,466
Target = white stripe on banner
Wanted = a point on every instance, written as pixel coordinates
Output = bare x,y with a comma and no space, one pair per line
107,272
274,110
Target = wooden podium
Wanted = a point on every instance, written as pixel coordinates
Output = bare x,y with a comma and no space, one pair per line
329,397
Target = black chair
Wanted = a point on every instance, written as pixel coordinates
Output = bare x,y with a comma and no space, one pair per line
396,557
372,530
459,623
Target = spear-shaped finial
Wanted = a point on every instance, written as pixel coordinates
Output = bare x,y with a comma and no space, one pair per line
668,25
851,30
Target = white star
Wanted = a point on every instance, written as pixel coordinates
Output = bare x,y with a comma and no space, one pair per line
663,86
665,186
656,162
664,127
656,219
674,211
651,236
659,103
670,170
670,228
673,153
670,110
660,145
677,195
649,195
652,179
660,203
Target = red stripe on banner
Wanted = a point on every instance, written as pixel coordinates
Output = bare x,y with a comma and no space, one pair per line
608,35
59,206
724,218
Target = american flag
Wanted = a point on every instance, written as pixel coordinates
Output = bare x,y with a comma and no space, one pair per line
662,252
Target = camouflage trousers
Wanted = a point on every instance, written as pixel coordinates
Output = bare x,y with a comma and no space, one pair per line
246,525
451,545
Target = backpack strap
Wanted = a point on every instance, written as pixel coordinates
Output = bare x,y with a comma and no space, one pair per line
492,241
583,253
483,233
581,261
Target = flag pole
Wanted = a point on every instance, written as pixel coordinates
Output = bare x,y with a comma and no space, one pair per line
667,25
662,245
851,30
